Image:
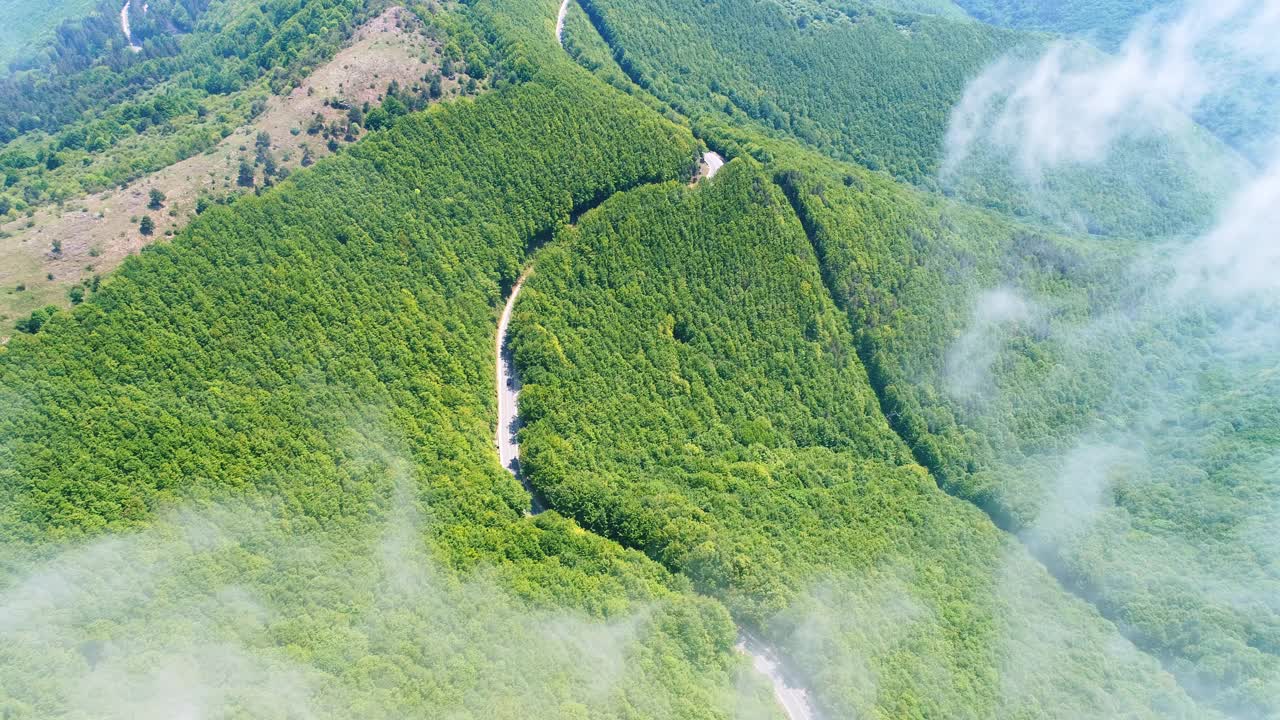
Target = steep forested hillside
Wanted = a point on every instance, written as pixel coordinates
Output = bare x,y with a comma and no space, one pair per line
941,455
945,8
691,390
30,22
164,173
318,357
878,88
1078,404
872,85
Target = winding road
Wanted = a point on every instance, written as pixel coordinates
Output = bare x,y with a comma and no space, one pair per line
794,701
124,25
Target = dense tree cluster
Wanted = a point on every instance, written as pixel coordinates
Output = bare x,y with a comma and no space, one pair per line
309,351
691,390
877,87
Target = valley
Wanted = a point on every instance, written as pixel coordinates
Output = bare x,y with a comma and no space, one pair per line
770,359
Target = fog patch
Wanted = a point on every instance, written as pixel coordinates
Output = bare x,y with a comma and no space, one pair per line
846,632
235,611
1072,104
1239,259
1078,493
995,314
1037,628
1156,491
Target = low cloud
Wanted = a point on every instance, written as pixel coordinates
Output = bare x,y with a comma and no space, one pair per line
1162,492
995,314
1240,258
231,611
1072,104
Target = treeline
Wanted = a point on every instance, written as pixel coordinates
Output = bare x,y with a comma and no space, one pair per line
691,390
323,352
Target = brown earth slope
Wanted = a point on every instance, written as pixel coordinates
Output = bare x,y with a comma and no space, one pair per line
97,232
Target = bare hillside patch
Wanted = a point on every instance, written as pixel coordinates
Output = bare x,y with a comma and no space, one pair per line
42,257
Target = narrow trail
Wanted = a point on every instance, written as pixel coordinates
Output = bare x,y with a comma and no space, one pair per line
124,25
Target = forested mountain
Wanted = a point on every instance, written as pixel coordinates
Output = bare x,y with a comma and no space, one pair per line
879,87
691,390
1105,21
30,22
341,381
837,429
139,165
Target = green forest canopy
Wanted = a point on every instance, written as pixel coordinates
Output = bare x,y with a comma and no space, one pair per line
741,406
29,22
877,87
690,389
320,355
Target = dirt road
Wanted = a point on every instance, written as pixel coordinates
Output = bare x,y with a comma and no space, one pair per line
124,25
564,10
508,384
708,166
712,162
793,700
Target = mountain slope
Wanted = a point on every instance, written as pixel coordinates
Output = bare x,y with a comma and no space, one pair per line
306,376
1061,387
878,88
690,390
948,464
29,22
